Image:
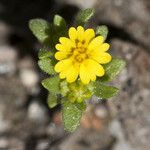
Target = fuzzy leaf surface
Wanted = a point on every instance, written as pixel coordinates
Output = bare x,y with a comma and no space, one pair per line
83,16
112,69
46,65
44,53
40,28
102,30
52,100
104,91
71,114
52,84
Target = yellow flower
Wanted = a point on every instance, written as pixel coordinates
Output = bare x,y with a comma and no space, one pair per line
81,55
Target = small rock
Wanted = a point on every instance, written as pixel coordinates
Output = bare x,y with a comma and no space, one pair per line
4,143
101,112
30,80
42,145
8,60
4,125
117,132
29,75
37,113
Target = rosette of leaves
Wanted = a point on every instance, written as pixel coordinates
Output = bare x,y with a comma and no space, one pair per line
48,35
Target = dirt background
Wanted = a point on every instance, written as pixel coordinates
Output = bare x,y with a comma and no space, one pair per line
121,123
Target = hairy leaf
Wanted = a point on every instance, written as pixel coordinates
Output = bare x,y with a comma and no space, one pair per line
46,65
83,16
112,69
52,84
104,91
102,30
52,100
44,53
40,29
72,113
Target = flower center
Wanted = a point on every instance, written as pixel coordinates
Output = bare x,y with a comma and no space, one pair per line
79,52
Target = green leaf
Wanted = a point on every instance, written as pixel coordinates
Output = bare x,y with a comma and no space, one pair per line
52,100
71,114
60,28
104,91
112,69
83,16
52,84
40,29
46,65
44,53
59,22
102,30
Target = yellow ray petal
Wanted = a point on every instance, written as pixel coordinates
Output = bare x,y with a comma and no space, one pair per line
61,55
62,75
91,71
73,34
72,74
63,65
95,43
84,74
80,32
100,57
104,47
66,42
89,35
60,47
94,67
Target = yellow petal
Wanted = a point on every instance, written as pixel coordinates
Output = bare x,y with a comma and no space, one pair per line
64,40
73,34
97,68
80,29
101,57
72,74
80,32
61,55
62,75
104,47
91,69
84,74
89,35
95,43
94,67
60,47
63,65
66,44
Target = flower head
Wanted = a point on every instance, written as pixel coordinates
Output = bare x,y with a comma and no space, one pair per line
81,55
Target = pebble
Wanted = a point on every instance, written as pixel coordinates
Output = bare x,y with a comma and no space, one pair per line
28,75
4,143
8,60
101,112
37,113
29,79
116,131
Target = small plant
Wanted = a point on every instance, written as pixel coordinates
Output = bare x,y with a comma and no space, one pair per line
77,62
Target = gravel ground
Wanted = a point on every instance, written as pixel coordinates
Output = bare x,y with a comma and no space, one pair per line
122,123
